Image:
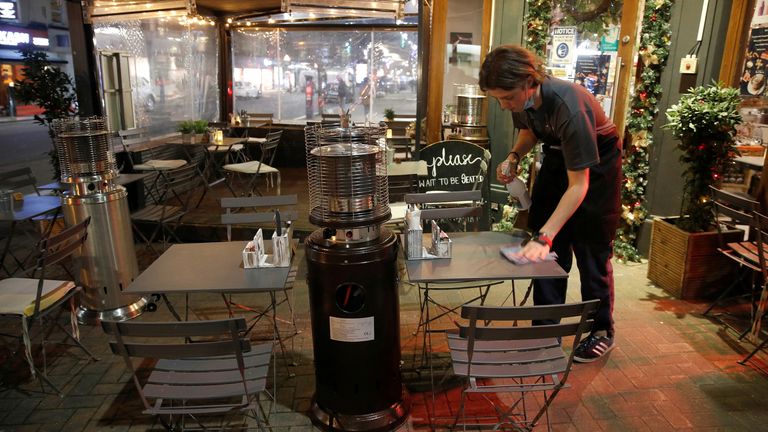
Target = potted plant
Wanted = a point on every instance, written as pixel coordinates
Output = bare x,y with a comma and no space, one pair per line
187,130
684,259
389,114
46,86
200,129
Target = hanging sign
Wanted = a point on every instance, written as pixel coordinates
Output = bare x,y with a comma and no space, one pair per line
563,45
753,77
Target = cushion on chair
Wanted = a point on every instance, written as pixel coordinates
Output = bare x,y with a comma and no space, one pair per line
18,294
159,164
256,140
251,167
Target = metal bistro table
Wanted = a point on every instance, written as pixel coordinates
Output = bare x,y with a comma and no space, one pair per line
190,268
476,256
25,210
211,167
216,267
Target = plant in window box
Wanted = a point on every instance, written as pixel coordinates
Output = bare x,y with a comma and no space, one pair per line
684,259
200,129
187,130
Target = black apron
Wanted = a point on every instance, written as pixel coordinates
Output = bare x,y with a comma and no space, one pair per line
597,218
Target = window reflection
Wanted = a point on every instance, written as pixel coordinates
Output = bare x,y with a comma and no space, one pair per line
299,75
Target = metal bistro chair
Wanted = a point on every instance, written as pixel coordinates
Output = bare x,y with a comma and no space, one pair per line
21,178
761,228
158,159
36,300
218,374
230,154
463,216
261,210
497,355
732,210
175,194
256,169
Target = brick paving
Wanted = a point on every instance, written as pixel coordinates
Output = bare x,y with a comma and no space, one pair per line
672,370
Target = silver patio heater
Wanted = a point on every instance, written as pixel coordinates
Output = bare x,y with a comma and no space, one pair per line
352,279
108,259
470,114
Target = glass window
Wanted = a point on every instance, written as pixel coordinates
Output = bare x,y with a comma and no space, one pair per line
300,74
174,71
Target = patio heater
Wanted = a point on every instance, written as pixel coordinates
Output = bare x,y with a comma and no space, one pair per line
108,257
470,114
352,280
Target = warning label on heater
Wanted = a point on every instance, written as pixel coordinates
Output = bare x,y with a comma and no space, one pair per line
351,329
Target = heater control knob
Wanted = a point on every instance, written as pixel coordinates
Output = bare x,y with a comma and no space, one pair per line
328,233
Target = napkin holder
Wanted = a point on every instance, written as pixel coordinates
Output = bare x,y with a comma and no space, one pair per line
413,245
255,256
441,242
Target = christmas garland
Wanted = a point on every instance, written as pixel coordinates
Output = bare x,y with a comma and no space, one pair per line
537,22
654,40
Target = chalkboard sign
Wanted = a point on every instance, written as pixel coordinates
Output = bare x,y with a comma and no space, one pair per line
452,166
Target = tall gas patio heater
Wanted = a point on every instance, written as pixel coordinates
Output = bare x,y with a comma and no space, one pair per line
352,279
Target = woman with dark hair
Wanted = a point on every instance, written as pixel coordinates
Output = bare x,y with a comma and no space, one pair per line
576,196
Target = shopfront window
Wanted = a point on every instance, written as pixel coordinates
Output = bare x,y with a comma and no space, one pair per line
173,71
298,74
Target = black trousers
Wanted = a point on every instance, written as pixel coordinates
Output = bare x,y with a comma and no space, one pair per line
595,274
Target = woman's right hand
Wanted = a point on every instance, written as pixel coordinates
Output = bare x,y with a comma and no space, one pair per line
507,170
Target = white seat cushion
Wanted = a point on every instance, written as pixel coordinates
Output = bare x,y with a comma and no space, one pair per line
256,140
251,167
17,295
222,148
161,165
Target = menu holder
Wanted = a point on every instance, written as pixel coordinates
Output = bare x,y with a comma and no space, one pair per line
440,247
255,256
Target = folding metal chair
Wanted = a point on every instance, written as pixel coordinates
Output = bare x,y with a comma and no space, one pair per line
218,374
734,212
256,169
36,300
755,330
175,193
19,180
497,355
158,159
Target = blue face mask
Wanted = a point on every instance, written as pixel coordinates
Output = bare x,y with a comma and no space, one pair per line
530,101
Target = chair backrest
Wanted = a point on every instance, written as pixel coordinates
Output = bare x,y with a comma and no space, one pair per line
401,185
398,127
461,209
489,323
18,179
134,136
178,186
167,340
263,210
269,147
56,248
732,209
257,117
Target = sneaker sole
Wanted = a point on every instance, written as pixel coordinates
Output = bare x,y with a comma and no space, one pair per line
590,360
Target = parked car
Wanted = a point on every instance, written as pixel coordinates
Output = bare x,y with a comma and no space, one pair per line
245,89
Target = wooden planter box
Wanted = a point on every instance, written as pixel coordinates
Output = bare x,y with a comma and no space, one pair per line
688,265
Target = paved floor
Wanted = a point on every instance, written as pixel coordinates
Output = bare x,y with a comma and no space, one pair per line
673,370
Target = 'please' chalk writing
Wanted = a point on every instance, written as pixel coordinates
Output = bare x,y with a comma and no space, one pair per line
451,160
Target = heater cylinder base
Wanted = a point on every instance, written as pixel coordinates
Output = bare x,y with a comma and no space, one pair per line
384,420
93,317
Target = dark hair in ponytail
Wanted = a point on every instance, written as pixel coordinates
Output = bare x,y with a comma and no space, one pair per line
508,67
